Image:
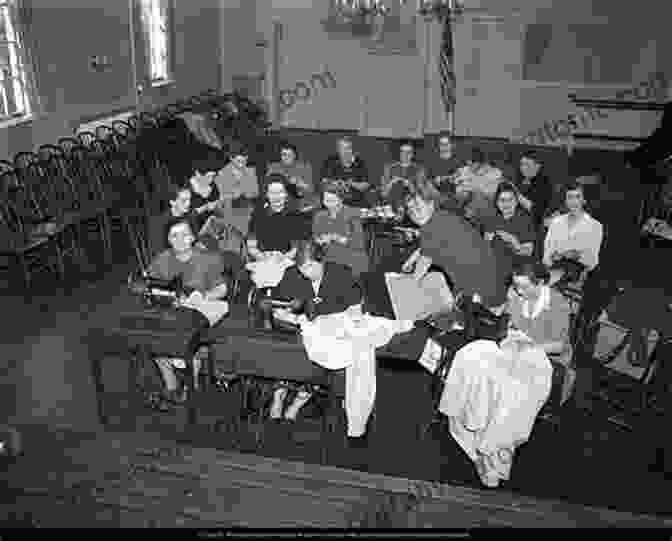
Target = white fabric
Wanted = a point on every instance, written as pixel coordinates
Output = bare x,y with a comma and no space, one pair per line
338,341
542,303
585,236
268,272
214,311
492,396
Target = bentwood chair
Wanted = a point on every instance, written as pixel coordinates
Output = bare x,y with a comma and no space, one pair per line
26,249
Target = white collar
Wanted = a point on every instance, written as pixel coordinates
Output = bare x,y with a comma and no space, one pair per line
543,303
316,285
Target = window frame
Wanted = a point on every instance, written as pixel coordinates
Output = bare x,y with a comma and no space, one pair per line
146,32
18,70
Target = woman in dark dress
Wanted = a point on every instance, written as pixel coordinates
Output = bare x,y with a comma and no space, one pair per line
204,197
510,231
535,189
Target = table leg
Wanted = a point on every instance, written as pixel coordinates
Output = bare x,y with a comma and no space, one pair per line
191,390
96,369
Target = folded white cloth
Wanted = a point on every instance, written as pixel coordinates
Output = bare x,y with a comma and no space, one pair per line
214,311
268,272
338,341
492,396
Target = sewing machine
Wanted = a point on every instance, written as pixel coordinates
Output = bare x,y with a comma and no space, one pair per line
157,292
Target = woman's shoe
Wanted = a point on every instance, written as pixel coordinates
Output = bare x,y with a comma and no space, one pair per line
278,402
293,410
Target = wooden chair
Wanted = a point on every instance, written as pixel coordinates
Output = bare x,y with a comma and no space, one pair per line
86,138
68,143
26,248
6,166
95,209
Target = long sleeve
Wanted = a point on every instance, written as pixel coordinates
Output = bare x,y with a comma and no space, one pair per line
356,241
590,253
250,184
550,242
386,180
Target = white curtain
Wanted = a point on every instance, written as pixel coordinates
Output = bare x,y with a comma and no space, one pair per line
22,15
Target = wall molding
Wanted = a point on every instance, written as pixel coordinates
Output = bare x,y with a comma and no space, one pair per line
616,105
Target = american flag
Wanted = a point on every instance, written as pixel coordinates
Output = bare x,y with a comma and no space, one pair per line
447,66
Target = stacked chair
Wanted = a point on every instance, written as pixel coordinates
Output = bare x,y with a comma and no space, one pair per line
58,199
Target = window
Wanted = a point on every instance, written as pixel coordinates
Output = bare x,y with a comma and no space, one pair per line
14,86
156,23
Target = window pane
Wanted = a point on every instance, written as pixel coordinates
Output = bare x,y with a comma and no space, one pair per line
3,23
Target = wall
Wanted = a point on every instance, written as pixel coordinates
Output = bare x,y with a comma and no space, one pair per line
378,94
71,31
386,95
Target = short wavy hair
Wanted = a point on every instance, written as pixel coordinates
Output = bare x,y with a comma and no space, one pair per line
308,250
335,187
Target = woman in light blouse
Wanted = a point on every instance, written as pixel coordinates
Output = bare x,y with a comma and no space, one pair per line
338,229
574,237
237,185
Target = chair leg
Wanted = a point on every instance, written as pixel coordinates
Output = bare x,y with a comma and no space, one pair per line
27,278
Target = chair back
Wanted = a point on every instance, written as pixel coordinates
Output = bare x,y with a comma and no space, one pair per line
85,138
68,143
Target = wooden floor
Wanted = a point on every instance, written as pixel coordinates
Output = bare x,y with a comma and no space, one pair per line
141,480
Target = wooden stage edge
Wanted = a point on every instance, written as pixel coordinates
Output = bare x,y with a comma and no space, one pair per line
141,479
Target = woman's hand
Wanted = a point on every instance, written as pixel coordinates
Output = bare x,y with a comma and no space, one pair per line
488,236
341,239
421,267
525,202
285,315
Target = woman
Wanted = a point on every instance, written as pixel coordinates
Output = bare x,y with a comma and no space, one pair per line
452,244
510,230
201,271
274,227
237,185
573,240
350,168
322,288
476,185
402,177
205,198
299,175
535,188
338,229
179,206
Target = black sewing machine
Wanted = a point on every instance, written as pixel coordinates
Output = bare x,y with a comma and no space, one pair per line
156,292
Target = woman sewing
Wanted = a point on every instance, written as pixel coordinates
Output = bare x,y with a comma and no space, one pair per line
320,287
510,230
338,228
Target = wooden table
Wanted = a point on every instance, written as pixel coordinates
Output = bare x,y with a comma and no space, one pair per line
144,333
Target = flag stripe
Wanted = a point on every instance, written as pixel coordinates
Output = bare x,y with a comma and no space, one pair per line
447,67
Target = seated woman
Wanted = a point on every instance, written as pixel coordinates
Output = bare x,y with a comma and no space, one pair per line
299,175
475,186
322,288
510,232
350,169
402,177
452,244
573,240
202,272
274,227
205,199
338,228
179,206
534,188
238,186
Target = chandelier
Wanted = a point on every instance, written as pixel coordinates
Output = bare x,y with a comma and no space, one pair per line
439,9
361,8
